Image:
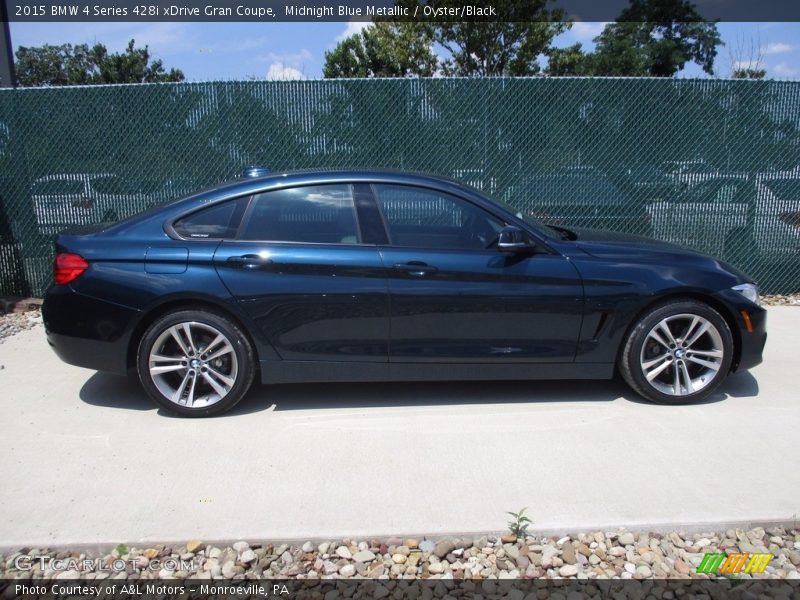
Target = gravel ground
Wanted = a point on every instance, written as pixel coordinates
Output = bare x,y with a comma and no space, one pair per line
15,322
781,300
597,555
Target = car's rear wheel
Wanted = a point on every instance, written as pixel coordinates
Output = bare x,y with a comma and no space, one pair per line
677,353
195,363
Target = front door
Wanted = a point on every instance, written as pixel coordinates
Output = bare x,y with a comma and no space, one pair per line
456,298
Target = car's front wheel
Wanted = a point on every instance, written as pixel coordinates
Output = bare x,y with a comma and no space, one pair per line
677,353
195,362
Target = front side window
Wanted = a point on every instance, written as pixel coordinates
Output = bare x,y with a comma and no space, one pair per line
315,214
424,218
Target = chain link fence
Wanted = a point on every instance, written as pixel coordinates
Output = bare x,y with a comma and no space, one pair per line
710,164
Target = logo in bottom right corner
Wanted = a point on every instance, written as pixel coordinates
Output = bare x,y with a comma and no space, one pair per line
734,563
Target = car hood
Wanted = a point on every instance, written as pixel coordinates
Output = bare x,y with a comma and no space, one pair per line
624,247
614,244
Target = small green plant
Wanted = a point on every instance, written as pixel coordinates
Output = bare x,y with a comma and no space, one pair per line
736,579
121,549
518,524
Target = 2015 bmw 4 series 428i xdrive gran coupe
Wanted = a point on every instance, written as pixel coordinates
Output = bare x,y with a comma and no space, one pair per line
380,276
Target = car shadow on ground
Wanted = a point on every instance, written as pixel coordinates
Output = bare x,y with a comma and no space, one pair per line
114,391
738,385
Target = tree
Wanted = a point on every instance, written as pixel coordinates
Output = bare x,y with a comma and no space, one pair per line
473,48
566,61
54,65
348,59
654,38
383,49
747,59
49,65
132,66
511,47
748,73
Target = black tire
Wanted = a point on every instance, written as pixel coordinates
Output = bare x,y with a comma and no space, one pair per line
237,364
634,353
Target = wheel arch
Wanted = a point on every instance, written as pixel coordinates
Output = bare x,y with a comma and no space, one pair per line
183,303
698,296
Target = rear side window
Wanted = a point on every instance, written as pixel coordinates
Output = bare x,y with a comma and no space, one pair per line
316,214
215,222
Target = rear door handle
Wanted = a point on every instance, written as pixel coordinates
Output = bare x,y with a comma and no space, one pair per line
248,261
415,268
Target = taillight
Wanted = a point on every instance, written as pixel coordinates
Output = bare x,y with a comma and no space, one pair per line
68,267
791,218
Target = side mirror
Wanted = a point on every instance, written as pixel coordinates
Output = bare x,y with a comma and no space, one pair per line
513,239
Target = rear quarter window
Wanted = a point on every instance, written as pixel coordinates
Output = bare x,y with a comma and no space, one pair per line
215,222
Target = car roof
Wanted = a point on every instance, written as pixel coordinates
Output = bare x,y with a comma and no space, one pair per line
389,175
276,180
250,185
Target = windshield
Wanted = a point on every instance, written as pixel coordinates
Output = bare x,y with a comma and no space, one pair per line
536,224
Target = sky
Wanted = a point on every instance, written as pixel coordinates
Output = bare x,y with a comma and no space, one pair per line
222,51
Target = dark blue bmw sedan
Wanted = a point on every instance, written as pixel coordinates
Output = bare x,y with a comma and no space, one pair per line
382,276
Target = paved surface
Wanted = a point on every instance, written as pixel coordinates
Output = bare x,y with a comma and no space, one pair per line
87,459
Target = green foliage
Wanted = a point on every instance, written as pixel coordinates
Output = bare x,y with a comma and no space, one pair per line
54,65
749,73
401,49
650,38
655,38
49,65
383,50
121,549
566,61
348,59
518,524
511,47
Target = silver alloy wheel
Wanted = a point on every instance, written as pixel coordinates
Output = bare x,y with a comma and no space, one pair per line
682,354
193,364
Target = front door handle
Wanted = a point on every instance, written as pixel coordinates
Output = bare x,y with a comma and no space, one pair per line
416,268
248,261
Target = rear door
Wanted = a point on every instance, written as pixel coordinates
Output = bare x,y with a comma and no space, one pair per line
302,269
456,298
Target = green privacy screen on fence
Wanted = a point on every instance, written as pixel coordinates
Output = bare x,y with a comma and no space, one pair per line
711,164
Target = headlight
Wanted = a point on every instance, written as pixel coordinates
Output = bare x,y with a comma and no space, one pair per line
749,291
